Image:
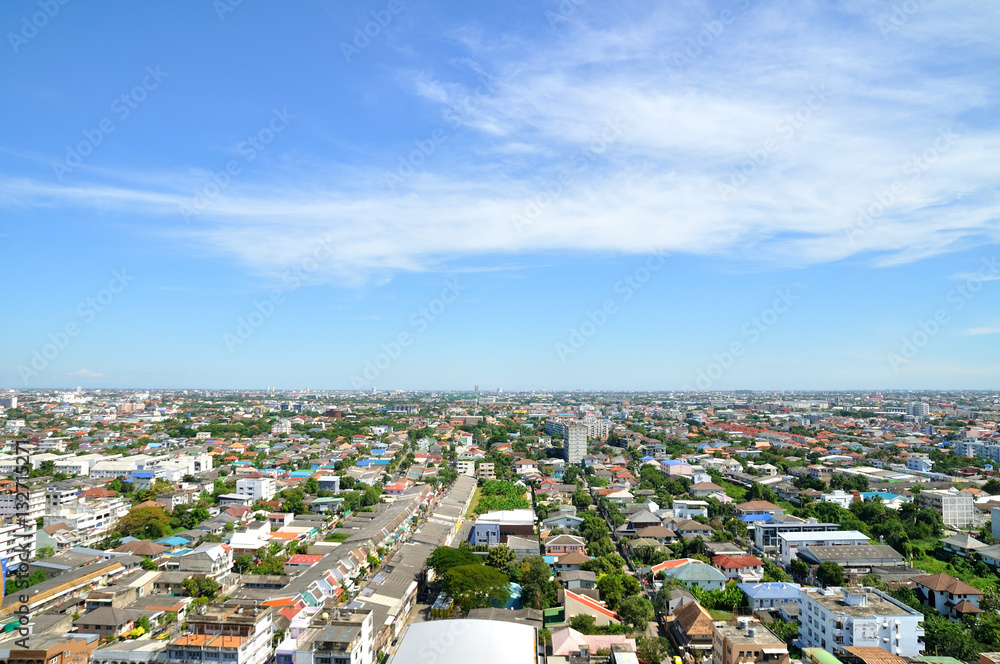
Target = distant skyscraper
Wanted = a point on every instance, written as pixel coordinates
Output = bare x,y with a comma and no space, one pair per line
575,444
918,409
477,389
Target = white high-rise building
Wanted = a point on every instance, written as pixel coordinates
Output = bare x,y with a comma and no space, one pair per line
257,488
575,444
833,618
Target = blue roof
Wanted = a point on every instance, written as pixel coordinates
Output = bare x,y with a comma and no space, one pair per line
173,541
770,590
300,473
363,462
647,458
884,495
697,571
674,462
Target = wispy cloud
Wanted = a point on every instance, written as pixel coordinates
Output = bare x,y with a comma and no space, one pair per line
684,132
978,331
86,373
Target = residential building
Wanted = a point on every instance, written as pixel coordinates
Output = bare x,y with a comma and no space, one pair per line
257,488
234,632
771,595
833,618
838,497
486,471
333,636
746,642
689,509
562,544
952,598
690,629
28,502
789,543
50,649
744,569
765,532
575,444
956,507
919,462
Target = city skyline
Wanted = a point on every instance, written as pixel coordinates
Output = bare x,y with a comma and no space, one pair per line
575,195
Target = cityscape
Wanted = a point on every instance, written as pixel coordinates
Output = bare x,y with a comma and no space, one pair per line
532,332
372,526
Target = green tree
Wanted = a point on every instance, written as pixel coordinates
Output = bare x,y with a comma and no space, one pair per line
635,611
243,564
145,523
612,589
799,569
44,552
652,650
476,586
538,591
830,573
583,623
445,558
148,565
500,557
201,587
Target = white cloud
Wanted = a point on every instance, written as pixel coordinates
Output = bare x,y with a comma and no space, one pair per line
684,132
86,373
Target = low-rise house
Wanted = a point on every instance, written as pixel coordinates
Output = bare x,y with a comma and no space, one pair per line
744,569
575,580
690,630
561,545
952,598
771,595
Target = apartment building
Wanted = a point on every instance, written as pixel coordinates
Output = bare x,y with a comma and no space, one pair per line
833,618
465,466
16,541
256,488
575,444
89,518
956,507
486,471
746,642
333,636
29,503
790,543
234,632
50,649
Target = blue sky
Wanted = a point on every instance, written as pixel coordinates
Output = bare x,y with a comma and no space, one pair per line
574,195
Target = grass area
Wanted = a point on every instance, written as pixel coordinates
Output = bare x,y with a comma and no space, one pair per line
720,615
336,537
475,502
734,491
935,566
